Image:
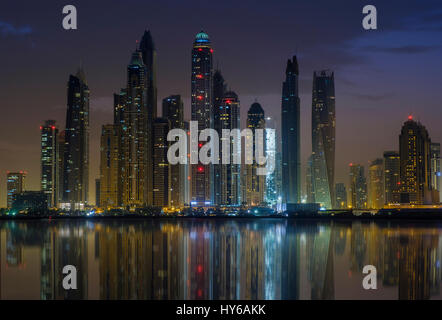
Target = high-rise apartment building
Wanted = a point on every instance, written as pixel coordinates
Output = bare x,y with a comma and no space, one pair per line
291,135
323,137
201,111
392,181
376,184
49,179
76,148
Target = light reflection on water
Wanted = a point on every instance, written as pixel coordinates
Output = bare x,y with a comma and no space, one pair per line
219,259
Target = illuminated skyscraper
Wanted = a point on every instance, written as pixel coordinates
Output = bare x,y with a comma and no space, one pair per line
219,89
110,167
392,177
173,110
49,162
358,187
341,196
149,56
291,135
414,150
435,168
201,108
161,174
15,184
135,141
323,137
255,184
230,174
271,196
76,149
376,184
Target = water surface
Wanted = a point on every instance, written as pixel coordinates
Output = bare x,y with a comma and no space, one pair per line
219,259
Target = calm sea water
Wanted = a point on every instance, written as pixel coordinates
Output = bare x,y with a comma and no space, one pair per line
219,259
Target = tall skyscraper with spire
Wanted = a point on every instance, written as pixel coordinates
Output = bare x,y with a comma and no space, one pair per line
323,137
135,131
291,135
76,148
201,109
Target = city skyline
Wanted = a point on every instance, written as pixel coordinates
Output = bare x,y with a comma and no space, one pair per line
343,117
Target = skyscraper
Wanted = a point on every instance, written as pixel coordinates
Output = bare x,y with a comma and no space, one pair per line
149,56
341,196
219,89
271,196
435,169
201,109
376,184
358,187
255,184
49,162
414,150
135,140
173,110
323,137
76,148
110,167
161,174
230,174
291,135
392,177
15,184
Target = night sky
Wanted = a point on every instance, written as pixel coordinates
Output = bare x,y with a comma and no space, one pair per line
381,76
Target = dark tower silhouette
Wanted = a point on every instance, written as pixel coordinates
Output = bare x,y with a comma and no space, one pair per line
76,149
291,135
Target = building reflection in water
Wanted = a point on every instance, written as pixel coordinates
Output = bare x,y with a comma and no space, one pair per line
218,259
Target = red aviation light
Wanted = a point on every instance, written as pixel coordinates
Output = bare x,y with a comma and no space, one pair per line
410,117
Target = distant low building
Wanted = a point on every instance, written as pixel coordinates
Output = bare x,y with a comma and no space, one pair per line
30,201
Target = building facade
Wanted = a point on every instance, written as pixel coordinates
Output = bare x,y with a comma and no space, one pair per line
15,184
173,110
230,173
255,184
392,181
323,137
415,152
49,179
291,135
341,196
376,184
358,187
201,111
76,148
110,167
161,167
